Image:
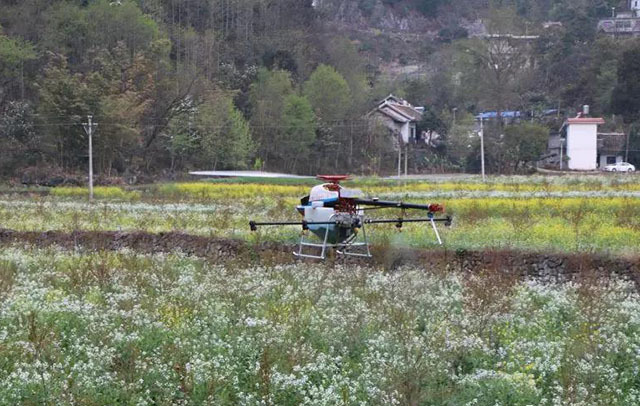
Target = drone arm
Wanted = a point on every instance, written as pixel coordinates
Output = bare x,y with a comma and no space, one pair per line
433,207
305,224
399,221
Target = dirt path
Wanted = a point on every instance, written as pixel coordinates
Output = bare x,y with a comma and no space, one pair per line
517,263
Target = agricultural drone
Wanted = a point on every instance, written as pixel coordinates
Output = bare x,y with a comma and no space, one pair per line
336,215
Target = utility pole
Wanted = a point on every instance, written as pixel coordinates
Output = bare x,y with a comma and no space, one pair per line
406,158
626,149
89,126
561,151
399,158
482,146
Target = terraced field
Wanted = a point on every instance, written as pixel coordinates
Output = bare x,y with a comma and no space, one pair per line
124,323
599,214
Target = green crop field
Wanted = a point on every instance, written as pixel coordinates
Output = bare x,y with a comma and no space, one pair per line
596,214
87,327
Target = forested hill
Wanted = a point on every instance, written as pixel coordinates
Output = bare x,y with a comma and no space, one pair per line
284,84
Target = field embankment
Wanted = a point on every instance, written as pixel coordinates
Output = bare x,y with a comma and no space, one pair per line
523,264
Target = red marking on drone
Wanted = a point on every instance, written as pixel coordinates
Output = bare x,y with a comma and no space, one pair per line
333,178
435,207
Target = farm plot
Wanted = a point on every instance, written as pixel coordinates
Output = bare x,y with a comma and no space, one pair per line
597,215
125,328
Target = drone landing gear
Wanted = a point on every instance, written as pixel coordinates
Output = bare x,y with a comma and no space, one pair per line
304,243
353,248
347,248
435,230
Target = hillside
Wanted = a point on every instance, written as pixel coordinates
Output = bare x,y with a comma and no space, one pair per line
221,84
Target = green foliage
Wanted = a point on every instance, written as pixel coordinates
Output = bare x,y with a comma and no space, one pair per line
329,94
298,131
13,54
344,57
65,97
431,121
225,136
625,96
266,98
524,144
135,65
429,7
109,25
18,136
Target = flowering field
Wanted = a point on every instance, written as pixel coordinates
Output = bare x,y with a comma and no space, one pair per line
122,327
125,328
561,214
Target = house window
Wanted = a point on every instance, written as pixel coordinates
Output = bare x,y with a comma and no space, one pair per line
623,25
611,160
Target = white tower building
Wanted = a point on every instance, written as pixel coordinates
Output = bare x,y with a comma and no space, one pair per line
581,134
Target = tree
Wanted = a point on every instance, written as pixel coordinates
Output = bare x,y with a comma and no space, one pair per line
66,30
428,7
65,100
13,55
19,141
345,58
266,98
431,122
462,142
299,131
125,86
523,145
625,99
496,69
225,136
330,97
329,94
110,25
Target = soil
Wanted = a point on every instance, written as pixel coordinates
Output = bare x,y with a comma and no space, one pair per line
546,266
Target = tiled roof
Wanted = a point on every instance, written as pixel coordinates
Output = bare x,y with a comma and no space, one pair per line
394,114
585,120
410,112
398,110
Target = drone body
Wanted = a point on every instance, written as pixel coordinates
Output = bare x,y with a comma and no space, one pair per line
336,215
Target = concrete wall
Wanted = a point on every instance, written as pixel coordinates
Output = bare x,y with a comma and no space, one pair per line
582,146
406,133
393,126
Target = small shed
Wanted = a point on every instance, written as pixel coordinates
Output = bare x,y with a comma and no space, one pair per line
611,148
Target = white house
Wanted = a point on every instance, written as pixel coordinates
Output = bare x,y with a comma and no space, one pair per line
581,134
634,6
622,22
399,116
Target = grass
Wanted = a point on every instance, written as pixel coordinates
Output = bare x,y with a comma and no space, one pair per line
605,225
125,328
99,192
596,214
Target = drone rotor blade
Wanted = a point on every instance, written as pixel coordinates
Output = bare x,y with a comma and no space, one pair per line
248,174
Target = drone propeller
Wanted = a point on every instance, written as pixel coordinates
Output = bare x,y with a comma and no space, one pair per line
333,178
247,174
